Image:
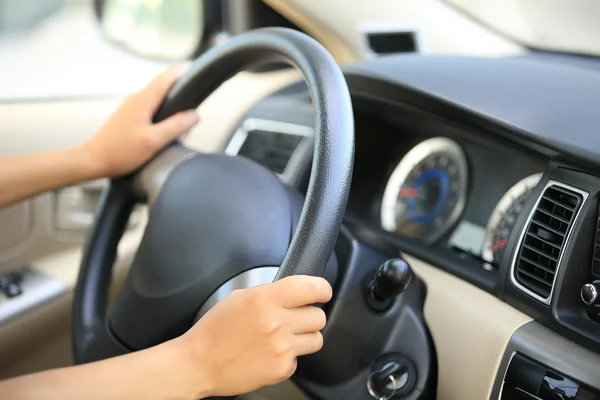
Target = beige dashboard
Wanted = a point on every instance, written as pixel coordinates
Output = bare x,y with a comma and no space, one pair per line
457,35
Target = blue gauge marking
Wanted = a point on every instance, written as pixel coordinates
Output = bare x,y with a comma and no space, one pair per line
431,176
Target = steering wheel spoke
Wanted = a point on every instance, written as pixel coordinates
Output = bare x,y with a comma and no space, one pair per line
148,183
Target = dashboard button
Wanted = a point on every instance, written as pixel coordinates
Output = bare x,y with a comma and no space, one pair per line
589,293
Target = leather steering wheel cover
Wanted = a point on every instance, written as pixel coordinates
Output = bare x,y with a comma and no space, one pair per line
331,175
328,189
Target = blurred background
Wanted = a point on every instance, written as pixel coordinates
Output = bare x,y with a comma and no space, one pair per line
58,48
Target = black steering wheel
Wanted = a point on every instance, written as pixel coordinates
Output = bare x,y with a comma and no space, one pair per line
214,217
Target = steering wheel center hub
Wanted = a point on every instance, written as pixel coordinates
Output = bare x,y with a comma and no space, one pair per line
215,218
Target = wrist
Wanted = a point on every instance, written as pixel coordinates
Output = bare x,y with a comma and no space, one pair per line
88,165
194,367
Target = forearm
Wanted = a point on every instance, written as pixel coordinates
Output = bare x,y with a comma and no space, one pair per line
24,176
160,373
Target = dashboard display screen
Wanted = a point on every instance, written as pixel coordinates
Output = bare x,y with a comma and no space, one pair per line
468,237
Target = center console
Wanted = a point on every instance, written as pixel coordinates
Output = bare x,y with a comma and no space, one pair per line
527,379
540,364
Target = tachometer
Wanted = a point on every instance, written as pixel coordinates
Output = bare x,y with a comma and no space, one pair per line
427,191
504,216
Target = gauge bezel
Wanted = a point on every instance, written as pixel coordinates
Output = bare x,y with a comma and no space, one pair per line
527,183
415,156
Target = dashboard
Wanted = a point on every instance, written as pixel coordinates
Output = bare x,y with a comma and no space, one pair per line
480,168
441,186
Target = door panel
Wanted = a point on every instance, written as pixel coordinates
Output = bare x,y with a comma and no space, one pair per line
41,238
32,127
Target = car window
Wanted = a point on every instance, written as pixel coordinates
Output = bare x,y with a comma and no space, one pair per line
55,49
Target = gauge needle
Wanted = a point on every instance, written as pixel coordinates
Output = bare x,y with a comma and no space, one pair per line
408,193
500,243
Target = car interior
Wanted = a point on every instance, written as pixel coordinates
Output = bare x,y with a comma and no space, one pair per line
437,161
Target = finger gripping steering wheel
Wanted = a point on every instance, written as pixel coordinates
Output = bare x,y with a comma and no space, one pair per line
213,217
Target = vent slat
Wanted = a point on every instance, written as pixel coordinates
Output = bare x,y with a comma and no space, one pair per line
559,203
536,264
549,228
270,149
549,256
536,278
544,239
548,213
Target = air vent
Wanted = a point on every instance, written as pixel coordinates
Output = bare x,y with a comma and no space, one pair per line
269,143
271,149
541,247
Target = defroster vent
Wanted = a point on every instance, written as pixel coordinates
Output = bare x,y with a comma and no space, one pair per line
538,259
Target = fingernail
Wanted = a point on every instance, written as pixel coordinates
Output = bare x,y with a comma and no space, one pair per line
191,117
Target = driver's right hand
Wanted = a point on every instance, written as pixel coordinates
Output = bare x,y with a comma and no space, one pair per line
252,337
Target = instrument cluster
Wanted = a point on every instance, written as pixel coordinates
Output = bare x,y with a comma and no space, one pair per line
426,195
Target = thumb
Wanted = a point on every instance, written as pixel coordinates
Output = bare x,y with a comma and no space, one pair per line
173,127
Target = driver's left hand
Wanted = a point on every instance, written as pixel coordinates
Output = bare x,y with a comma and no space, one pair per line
128,138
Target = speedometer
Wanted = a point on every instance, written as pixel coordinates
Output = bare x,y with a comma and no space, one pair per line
427,191
504,216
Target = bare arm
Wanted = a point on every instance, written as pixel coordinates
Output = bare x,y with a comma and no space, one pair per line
160,373
125,142
28,175
249,340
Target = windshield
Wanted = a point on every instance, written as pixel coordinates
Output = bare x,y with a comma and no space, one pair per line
555,25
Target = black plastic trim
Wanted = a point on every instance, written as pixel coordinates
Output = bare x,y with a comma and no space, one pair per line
463,267
356,336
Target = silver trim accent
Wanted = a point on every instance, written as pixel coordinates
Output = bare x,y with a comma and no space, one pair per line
594,291
404,168
513,278
287,128
393,383
245,280
504,375
37,288
153,176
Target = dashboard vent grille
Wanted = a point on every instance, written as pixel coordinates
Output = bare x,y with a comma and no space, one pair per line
544,239
270,149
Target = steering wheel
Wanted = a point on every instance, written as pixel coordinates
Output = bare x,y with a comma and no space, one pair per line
214,217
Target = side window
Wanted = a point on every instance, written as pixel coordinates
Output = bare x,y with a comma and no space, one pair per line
52,49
